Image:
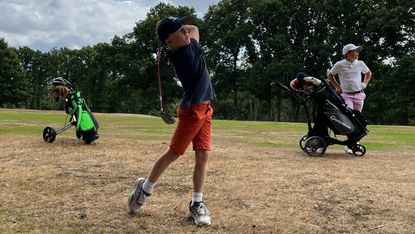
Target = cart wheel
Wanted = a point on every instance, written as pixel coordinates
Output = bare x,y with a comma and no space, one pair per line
359,150
302,142
315,146
87,140
49,134
78,134
89,136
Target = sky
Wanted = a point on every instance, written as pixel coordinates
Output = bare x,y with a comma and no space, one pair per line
47,24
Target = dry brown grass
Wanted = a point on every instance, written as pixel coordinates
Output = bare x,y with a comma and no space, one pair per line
69,187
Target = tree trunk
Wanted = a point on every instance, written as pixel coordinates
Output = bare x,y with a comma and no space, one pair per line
279,103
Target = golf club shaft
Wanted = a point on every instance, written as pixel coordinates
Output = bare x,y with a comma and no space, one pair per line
159,79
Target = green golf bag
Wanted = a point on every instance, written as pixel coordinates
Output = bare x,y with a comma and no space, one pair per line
79,114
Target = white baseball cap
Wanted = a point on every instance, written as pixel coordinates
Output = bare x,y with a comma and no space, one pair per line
350,47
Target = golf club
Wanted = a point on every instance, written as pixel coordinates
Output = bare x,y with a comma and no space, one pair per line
167,118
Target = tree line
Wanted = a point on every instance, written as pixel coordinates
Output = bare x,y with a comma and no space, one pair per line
248,44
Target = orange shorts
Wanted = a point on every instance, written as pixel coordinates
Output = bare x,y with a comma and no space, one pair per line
195,125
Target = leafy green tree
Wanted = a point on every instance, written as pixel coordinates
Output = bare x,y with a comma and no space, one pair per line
275,56
13,83
117,72
35,65
249,45
228,36
397,88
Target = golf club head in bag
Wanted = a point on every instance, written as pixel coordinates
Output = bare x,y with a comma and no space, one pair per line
167,118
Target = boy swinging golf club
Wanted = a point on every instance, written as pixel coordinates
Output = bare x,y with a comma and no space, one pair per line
194,114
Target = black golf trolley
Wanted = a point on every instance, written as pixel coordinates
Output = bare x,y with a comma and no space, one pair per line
330,112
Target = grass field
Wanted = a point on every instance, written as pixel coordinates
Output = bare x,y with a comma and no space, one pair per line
259,180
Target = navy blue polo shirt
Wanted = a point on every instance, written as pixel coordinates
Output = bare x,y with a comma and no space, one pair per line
191,69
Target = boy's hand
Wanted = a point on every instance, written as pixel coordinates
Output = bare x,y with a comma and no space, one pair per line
193,31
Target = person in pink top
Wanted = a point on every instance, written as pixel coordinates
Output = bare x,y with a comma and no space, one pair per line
349,71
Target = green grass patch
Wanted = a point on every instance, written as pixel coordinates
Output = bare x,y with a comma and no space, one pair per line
377,146
25,116
395,136
142,127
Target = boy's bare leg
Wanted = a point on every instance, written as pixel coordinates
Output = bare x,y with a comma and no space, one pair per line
161,164
199,173
197,209
143,188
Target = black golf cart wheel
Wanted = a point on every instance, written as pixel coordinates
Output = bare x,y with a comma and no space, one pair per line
89,136
315,146
87,140
359,150
78,134
302,142
49,134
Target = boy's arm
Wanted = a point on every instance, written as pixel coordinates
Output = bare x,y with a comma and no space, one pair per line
334,82
368,76
193,31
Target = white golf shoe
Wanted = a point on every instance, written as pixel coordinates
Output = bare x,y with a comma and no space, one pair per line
199,214
347,150
137,197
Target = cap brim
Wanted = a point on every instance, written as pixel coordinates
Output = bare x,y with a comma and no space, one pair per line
185,19
358,48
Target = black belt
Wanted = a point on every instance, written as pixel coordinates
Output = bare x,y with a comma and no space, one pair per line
360,91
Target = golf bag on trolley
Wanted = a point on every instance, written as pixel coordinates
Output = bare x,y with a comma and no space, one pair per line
78,111
330,113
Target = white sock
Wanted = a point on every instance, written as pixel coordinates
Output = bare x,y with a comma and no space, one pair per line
148,186
197,197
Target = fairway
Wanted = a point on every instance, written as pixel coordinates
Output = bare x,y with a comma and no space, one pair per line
259,180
